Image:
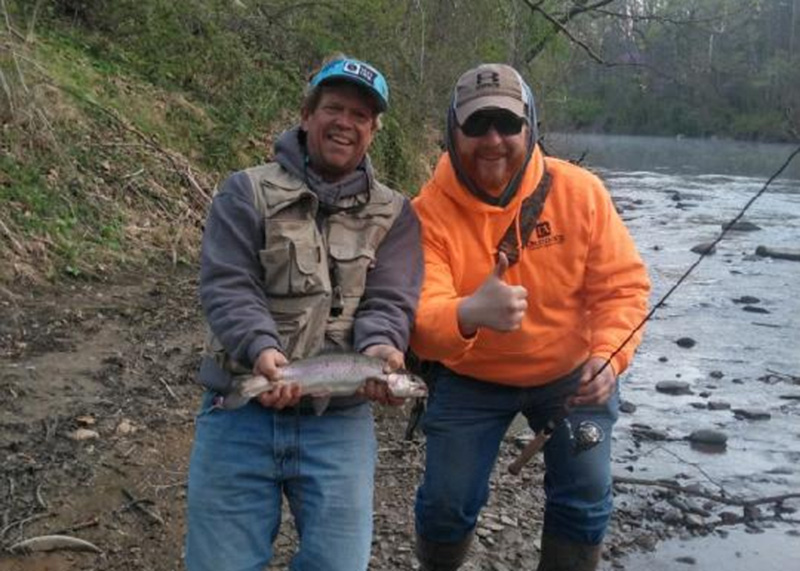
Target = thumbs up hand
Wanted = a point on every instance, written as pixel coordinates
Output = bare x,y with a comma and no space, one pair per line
495,304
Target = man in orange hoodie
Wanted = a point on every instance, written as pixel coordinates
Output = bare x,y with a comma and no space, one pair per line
520,315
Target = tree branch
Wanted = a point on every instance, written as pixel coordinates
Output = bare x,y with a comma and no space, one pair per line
558,25
700,493
563,29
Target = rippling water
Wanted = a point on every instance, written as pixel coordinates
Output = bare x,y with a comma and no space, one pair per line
675,156
676,194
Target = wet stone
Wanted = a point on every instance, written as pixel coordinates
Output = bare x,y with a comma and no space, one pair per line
753,528
754,309
686,559
747,299
751,414
627,407
782,471
705,248
674,388
693,520
642,433
678,502
662,359
716,374
698,405
673,517
741,226
751,513
695,508
708,436
645,542
792,254
686,342
718,405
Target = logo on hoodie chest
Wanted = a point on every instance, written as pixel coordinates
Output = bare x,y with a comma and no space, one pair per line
543,237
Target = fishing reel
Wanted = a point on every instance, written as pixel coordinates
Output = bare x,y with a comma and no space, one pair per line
586,436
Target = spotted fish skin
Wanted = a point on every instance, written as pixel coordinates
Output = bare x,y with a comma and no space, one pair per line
325,376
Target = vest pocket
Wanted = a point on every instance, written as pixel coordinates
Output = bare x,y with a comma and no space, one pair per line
352,251
292,258
350,267
351,270
300,322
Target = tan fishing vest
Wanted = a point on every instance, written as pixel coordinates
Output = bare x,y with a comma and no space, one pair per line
313,279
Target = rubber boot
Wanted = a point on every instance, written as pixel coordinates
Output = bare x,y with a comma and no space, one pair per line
563,555
434,556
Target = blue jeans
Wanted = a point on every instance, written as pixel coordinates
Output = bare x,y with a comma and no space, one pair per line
244,460
464,426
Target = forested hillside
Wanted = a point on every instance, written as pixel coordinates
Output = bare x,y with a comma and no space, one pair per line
119,117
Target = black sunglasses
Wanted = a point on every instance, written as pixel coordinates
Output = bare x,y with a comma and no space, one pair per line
505,124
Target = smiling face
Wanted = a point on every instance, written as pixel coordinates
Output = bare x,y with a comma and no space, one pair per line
492,159
339,130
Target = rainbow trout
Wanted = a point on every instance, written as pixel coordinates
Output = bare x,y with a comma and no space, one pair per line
325,376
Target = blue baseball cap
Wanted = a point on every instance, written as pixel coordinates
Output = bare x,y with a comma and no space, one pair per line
357,72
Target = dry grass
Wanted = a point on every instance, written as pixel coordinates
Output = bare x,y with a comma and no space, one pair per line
84,188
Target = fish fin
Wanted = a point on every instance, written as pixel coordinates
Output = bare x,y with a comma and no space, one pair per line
320,403
231,402
243,390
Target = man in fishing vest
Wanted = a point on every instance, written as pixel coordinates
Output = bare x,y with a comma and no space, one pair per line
532,285
301,255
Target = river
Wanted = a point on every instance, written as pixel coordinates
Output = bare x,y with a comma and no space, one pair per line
675,194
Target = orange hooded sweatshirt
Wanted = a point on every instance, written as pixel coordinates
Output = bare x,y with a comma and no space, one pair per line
587,285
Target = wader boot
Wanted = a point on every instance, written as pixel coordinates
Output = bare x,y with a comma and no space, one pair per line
564,555
434,556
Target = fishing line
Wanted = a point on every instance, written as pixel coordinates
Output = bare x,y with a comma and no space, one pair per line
705,253
539,440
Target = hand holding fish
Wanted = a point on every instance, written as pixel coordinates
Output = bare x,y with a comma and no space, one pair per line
379,391
321,377
269,364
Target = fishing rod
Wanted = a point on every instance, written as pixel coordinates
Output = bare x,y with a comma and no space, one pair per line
590,435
